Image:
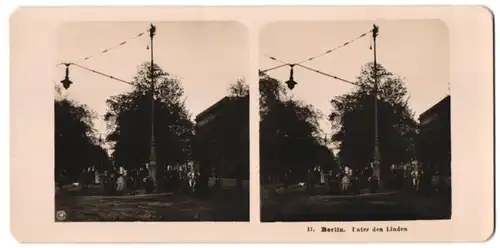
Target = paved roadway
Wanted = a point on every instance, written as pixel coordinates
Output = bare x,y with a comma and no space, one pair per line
296,205
226,205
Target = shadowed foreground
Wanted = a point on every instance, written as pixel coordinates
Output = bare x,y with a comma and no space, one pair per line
225,205
295,205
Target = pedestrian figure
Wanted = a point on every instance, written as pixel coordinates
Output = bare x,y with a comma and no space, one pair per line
212,180
129,180
310,181
82,182
140,178
192,176
109,183
317,175
137,179
103,180
373,184
121,183
96,177
355,184
286,180
415,175
345,183
143,175
169,178
322,179
90,175
149,184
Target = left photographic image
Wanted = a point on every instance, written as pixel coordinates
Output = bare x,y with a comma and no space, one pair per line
151,122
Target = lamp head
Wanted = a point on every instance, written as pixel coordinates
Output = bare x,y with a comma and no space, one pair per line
152,30
291,83
375,31
66,82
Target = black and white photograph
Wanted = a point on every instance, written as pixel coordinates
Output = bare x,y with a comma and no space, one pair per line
355,121
220,124
151,121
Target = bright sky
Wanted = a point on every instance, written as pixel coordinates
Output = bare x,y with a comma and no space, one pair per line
417,50
206,56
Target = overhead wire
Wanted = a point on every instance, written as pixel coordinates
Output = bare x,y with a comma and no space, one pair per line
314,70
313,57
102,74
328,75
301,62
334,49
104,51
283,63
276,59
274,68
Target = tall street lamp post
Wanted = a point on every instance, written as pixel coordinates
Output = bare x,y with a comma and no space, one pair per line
376,150
153,169
152,166
291,85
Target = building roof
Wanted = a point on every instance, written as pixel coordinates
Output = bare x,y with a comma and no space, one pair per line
216,105
435,107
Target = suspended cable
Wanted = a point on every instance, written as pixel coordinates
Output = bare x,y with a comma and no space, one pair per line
102,74
275,59
331,50
274,68
328,75
305,67
108,49
314,57
283,63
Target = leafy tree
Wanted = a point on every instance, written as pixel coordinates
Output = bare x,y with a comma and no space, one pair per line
289,131
100,158
129,121
326,159
239,89
352,118
76,145
272,92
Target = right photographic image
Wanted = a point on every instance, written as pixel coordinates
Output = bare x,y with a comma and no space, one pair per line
355,121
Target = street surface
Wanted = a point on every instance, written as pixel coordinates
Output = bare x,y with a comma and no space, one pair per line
296,205
223,205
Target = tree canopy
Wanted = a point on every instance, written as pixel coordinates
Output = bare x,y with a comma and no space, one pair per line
129,120
289,132
76,144
239,89
352,118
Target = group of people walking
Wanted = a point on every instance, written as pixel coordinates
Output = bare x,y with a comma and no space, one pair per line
341,182
119,180
354,181
429,182
116,180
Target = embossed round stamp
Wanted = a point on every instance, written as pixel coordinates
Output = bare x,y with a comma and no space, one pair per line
61,215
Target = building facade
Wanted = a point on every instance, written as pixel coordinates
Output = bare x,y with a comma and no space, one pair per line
434,143
222,139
